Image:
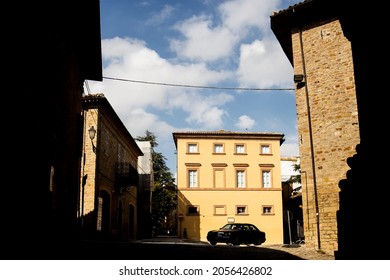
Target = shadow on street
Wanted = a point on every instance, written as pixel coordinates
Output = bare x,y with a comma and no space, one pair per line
149,250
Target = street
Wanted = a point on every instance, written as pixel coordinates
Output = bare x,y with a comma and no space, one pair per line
178,249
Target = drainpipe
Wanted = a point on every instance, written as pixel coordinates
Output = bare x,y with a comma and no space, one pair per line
311,141
307,200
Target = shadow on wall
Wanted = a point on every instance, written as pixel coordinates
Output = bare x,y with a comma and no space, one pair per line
189,226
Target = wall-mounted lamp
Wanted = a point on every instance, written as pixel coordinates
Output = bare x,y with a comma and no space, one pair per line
299,79
92,133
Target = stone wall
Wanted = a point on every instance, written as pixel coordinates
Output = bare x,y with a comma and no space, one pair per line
328,126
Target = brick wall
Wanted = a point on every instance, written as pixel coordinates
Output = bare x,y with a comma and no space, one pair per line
332,120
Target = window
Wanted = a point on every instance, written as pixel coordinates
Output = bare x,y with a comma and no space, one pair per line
121,153
265,149
266,178
240,174
252,227
218,148
192,178
267,210
105,139
192,148
219,210
241,210
192,210
240,149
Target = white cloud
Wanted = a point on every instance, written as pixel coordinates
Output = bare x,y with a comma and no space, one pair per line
210,38
202,41
291,146
245,122
242,15
289,149
138,121
161,16
264,65
130,59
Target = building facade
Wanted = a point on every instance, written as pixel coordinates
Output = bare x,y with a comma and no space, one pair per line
292,201
110,180
288,166
225,176
328,126
49,100
145,190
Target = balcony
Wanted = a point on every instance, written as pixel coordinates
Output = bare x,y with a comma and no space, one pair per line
125,175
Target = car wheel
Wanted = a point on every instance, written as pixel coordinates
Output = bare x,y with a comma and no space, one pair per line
257,242
213,242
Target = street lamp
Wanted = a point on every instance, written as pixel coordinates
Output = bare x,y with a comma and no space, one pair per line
92,133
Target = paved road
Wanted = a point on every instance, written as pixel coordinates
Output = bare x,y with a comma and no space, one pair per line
277,251
165,248
177,249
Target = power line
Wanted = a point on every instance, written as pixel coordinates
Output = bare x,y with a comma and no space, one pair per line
194,86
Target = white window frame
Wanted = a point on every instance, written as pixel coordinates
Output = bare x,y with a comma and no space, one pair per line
265,149
240,149
218,148
266,179
192,178
240,178
192,148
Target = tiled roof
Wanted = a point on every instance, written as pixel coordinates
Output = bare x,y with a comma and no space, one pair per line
228,132
291,7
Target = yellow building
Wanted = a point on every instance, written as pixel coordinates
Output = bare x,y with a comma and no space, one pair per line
225,176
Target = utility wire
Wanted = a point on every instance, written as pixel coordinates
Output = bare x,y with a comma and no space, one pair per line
194,86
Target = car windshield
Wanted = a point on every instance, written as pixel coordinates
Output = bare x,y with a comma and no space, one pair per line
231,226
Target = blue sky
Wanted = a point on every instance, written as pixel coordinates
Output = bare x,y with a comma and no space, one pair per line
176,66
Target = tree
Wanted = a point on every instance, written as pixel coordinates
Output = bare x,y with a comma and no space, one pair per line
296,178
164,196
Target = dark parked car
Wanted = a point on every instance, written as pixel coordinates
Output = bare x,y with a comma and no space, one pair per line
236,234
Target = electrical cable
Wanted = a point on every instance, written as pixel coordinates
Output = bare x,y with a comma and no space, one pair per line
195,86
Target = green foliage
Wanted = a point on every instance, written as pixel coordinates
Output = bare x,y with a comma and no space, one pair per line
296,178
164,196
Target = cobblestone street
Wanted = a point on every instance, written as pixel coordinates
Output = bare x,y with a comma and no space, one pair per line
301,251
